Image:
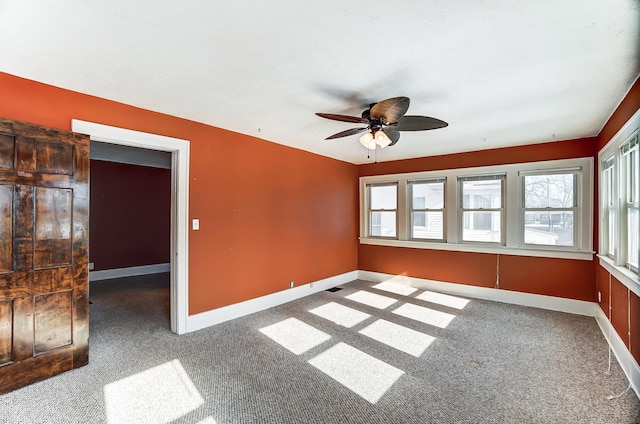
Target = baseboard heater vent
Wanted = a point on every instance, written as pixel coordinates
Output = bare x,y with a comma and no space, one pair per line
334,289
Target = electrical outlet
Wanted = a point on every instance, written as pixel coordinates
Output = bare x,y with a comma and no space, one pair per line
91,266
599,297
291,284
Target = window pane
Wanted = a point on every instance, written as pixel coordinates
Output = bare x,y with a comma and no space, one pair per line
482,194
383,224
632,241
611,245
632,175
383,197
549,191
481,226
427,195
548,228
427,225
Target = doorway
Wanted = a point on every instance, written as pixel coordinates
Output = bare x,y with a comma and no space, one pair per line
179,150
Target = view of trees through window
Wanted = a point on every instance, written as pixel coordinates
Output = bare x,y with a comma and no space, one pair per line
549,209
546,207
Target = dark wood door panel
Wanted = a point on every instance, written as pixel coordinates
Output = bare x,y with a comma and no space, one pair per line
23,223
38,368
54,158
6,228
22,345
52,321
44,314
7,151
25,161
6,320
53,219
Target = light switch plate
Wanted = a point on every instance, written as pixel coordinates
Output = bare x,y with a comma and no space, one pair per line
195,224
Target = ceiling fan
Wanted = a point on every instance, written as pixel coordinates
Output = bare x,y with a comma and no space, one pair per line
384,121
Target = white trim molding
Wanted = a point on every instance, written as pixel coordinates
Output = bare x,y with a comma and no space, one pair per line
179,204
626,277
131,271
625,359
578,307
237,310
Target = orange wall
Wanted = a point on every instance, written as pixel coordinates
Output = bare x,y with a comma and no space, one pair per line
268,213
574,279
625,304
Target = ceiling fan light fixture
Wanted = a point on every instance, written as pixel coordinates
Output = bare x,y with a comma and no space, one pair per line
382,139
384,121
368,141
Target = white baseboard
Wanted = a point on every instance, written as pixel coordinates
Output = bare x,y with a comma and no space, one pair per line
236,310
128,272
578,307
625,359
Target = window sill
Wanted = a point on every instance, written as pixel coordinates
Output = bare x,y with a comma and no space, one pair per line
622,274
481,248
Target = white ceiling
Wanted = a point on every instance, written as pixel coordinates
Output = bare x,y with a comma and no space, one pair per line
501,72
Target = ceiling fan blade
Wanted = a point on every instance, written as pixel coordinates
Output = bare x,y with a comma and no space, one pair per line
347,133
390,110
343,118
393,135
418,123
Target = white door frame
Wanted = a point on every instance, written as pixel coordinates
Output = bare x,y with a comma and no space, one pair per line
179,204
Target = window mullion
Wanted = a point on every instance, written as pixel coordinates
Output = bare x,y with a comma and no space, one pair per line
452,207
620,254
403,221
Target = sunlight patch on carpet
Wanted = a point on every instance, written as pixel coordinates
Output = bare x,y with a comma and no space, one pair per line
340,314
395,288
359,372
295,335
159,395
398,337
425,315
443,299
371,299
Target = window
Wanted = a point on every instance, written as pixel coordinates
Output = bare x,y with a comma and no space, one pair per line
609,206
550,207
531,209
619,201
427,209
629,152
618,204
482,208
383,201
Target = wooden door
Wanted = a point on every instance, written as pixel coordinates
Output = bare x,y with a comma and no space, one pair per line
44,212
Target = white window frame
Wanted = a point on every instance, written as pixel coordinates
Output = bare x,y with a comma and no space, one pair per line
608,207
616,263
410,185
629,193
489,177
577,178
513,220
367,227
